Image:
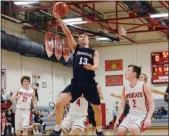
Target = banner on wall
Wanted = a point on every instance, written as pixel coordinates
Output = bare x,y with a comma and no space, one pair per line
58,47
114,80
3,81
113,65
66,50
49,43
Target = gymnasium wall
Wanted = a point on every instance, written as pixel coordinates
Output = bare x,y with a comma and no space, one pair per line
53,77
138,54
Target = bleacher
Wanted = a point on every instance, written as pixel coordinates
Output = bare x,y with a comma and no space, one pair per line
163,122
50,124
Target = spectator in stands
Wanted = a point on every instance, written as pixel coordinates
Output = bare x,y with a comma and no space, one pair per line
13,109
162,112
166,97
8,97
2,99
115,114
37,119
36,87
156,113
9,118
4,124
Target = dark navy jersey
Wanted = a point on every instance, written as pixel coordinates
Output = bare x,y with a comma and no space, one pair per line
81,57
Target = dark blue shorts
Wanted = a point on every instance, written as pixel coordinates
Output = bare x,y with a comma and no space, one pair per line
89,91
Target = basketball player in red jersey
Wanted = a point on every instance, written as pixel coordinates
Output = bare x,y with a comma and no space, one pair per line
24,96
141,103
85,63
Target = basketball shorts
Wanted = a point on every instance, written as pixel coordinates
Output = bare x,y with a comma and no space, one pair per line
70,122
130,120
22,119
89,91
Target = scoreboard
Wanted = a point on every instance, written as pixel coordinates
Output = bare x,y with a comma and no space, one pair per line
159,67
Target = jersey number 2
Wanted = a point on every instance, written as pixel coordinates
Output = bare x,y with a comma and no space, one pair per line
24,99
134,103
83,61
78,102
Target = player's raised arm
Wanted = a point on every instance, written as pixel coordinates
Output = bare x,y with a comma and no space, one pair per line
71,41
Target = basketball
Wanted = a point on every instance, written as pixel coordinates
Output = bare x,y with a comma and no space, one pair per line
61,7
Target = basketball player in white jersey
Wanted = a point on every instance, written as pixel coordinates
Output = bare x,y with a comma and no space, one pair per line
22,114
143,77
141,103
74,122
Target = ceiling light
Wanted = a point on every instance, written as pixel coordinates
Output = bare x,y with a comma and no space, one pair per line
159,15
76,23
68,20
25,3
102,39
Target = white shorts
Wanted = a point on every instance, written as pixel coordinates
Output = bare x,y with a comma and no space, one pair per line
73,122
130,120
22,119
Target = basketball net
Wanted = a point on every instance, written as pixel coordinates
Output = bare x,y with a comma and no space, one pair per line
122,31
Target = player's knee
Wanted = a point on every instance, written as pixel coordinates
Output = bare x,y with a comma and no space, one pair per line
134,129
75,132
121,132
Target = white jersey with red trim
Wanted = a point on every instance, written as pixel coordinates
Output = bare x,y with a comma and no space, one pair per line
24,101
79,107
137,99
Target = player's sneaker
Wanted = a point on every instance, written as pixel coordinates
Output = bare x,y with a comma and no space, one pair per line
55,133
98,133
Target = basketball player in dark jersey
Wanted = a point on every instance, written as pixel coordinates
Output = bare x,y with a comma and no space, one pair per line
85,63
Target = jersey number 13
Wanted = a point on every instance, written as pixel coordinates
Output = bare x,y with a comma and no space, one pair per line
83,61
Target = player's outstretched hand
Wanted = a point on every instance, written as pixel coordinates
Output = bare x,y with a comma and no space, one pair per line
88,67
147,123
56,14
111,94
50,116
116,124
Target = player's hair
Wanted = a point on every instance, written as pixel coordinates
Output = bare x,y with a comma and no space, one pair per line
145,77
84,34
25,77
136,69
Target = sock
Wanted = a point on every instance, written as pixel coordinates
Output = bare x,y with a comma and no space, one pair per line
2,133
57,127
99,128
